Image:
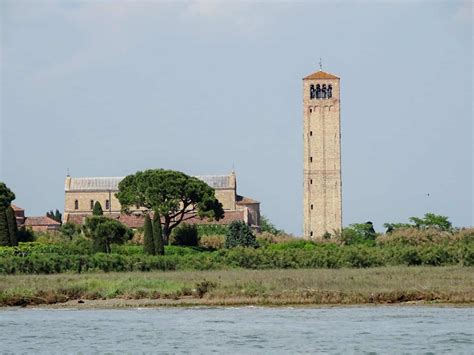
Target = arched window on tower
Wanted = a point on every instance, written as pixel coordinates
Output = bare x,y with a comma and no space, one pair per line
76,204
329,91
312,92
318,91
323,91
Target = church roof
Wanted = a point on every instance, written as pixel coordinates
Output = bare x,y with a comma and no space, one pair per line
111,183
216,181
41,221
320,75
93,183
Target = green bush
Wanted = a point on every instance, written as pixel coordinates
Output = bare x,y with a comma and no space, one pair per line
212,229
240,235
185,235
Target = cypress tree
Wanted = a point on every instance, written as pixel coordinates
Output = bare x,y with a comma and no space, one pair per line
58,216
158,234
149,244
12,227
4,235
97,210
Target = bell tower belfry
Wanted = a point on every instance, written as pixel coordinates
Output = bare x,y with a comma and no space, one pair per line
322,196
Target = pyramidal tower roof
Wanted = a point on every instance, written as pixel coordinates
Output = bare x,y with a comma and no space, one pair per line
320,75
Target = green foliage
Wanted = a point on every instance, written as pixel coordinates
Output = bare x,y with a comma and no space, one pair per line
429,220
158,235
185,235
97,210
12,227
148,243
212,229
70,230
359,233
4,233
6,195
55,259
8,227
25,235
267,226
432,220
240,235
57,216
104,231
108,232
172,194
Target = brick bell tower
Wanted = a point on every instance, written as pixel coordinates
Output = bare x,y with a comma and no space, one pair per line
322,200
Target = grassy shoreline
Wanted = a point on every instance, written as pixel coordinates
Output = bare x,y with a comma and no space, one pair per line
239,287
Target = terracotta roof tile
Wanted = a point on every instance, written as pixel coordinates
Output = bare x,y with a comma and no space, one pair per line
41,221
16,208
320,75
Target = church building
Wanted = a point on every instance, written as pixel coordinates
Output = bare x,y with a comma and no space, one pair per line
81,193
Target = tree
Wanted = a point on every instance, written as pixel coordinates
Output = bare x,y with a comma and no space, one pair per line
358,233
149,243
105,231
70,230
4,234
12,227
6,223
173,195
6,195
57,216
432,220
97,210
158,235
108,232
240,235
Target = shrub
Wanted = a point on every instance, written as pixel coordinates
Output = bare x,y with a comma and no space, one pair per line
212,241
240,234
185,235
212,229
70,230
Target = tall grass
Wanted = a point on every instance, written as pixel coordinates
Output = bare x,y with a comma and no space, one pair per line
273,287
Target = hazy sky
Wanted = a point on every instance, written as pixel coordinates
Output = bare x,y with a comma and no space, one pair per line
106,88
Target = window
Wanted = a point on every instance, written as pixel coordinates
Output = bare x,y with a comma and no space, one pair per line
76,204
311,233
310,133
312,92
310,109
318,91
329,91
311,206
311,181
323,92
310,159
107,204
92,204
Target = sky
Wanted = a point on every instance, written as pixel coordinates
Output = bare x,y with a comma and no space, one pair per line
107,88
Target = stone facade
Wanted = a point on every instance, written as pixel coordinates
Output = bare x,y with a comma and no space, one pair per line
82,193
322,201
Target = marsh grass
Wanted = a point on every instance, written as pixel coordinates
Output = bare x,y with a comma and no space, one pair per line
453,284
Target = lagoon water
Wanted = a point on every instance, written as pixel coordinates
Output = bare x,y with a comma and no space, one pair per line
380,329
